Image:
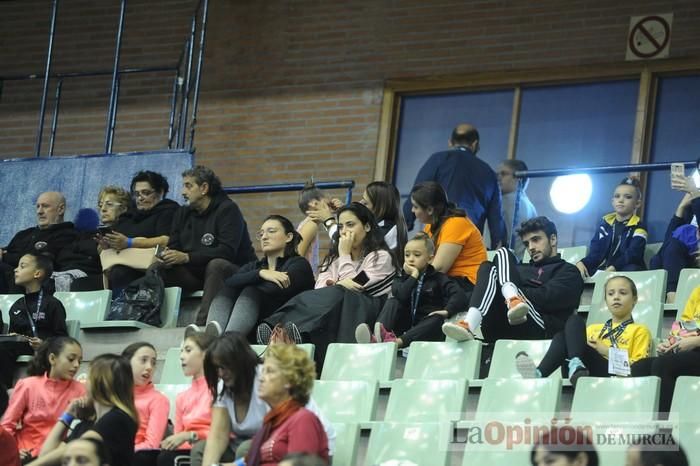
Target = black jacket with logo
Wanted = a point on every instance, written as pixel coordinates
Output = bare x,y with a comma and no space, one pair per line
438,292
157,221
50,239
50,319
218,232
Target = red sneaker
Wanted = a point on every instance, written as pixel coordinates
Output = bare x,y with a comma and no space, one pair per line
517,310
383,335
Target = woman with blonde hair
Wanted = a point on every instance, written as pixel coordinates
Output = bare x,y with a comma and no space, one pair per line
110,389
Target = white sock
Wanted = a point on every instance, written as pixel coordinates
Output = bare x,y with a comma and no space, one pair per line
473,318
509,290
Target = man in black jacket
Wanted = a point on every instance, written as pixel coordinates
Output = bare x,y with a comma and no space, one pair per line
522,301
50,235
209,240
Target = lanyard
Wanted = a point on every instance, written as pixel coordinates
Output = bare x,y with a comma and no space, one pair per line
613,335
39,299
415,296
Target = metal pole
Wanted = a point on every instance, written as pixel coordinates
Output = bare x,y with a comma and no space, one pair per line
111,112
47,76
54,121
188,75
200,61
173,107
113,120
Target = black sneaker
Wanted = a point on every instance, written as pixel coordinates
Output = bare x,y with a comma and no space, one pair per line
263,334
293,332
582,372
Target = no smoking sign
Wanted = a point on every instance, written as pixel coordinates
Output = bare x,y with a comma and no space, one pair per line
649,37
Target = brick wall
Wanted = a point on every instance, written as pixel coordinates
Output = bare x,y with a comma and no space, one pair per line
293,88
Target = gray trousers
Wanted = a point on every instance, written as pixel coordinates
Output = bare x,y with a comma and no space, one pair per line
236,310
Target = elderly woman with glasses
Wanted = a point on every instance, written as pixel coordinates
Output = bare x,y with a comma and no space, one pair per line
146,224
258,288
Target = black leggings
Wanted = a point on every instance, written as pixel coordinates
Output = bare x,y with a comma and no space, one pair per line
398,320
668,367
571,343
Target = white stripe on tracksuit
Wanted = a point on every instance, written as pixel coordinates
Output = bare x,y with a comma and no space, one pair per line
499,275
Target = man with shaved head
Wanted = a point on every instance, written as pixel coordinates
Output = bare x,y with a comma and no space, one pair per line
469,182
51,234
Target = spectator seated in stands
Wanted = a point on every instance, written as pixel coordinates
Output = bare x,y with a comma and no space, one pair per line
192,407
680,247
39,399
151,405
352,287
619,241
678,355
258,288
86,452
209,239
459,248
110,395
233,372
383,200
33,318
522,301
314,204
587,350
421,299
285,384
550,450
146,224
50,235
81,269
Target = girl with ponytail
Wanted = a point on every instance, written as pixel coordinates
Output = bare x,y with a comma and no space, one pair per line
38,400
258,288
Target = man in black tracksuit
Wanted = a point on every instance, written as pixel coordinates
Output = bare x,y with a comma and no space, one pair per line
209,240
50,235
522,301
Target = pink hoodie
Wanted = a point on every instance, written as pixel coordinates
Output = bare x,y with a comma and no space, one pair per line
193,410
153,408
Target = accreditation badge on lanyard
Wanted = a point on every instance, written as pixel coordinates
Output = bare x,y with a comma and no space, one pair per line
618,358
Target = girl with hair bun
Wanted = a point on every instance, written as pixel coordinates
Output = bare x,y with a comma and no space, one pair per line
110,393
39,399
619,241
260,287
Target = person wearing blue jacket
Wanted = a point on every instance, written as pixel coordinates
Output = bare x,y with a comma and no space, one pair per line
468,181
620,239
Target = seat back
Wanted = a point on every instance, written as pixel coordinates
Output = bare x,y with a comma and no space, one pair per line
503,360
170,308
347,441
346,401
372,361
647,313
615,398
172,369
651,286
688,280
571,254
6,302
172,390
685,394
422,443
650,251
517,399
427,400
443,360
85,306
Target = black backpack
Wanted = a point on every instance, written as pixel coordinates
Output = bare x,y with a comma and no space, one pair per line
140,300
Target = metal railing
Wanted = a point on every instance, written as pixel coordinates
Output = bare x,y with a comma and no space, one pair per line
186,83
283,187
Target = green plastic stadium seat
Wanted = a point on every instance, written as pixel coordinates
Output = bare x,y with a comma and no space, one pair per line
172,390
418,443
614,398
6,302
686,393
650,251
651,286
347,441
88,307
346,401
649,314
169,312
571,254
496,455
490,255
443,360
515,399
172,369
688,280
427,400
503,360
349,361
308,347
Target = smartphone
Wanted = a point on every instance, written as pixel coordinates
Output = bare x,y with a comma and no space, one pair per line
104,230
677,169
159,251
361,278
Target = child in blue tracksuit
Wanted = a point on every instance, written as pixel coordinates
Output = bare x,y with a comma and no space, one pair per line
620,239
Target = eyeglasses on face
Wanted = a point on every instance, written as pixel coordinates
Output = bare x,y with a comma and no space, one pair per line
143,193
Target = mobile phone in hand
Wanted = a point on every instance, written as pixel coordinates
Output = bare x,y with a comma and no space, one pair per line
104,230
159,251
677,169
361,278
